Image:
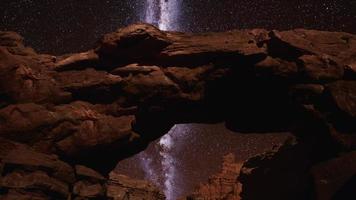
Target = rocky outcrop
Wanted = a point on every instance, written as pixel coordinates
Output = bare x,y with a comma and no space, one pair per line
335,178
280,173
139,81
26,172
224,185
121,187
29,174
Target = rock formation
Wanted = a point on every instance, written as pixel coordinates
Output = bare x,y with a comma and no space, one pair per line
29,174
224,185
283,168
57,112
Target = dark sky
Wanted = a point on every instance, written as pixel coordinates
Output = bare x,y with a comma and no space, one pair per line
63,26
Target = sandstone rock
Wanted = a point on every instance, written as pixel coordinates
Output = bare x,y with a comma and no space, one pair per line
343,96
10,39
88,173
74,127
21,121
224,185
352,67
84,106
89,78
15,154
279,174
147,86
346,140
14,44
100,132
28,75
121,187
350,71
333,178
318,68
77,61
340,46
89,85
275,67
307,93
233,42
134,69
29,174
88,190
191,84
135,42
23,195
270,175
35,180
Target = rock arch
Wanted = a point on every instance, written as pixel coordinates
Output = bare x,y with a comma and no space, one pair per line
139,81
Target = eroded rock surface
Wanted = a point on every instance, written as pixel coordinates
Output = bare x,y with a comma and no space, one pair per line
121,187
79,108
224,185
29,174
276,174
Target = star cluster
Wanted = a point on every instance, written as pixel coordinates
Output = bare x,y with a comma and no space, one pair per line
63,26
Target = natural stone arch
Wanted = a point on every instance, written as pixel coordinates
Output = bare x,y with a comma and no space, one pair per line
140,81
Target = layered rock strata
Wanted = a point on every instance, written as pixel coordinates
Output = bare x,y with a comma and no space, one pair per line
78,109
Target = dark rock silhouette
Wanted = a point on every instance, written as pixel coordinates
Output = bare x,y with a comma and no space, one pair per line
58,112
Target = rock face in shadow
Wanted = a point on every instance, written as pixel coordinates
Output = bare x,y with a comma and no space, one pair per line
335,178
277,174
29,174
139,81
285,168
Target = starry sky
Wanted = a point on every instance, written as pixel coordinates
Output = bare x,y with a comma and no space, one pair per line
64,26
190,153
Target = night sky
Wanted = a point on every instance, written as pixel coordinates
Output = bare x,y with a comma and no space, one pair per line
63,26
189,153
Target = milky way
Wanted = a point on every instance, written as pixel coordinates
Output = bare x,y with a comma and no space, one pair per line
189,153
66,26
163,13
168,162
